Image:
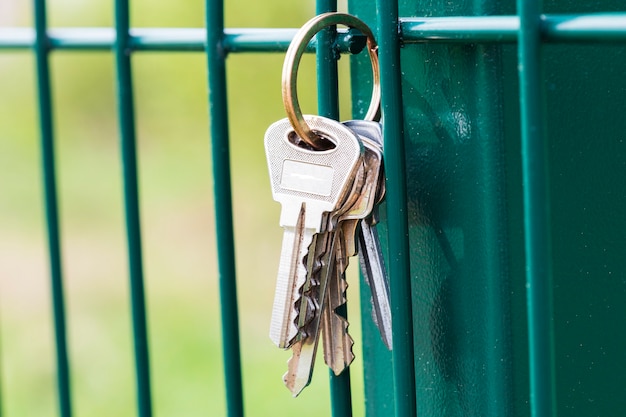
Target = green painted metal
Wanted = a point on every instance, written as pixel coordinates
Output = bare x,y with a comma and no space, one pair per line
220,152
328,106
395,170
583,28
46,131
459,245
126,114
536,213
453,223
460,29
555,28
585,89
174,39
379,401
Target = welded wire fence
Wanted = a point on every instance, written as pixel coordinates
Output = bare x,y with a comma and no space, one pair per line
529,29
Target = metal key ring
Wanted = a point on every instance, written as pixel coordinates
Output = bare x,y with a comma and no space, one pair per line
292,61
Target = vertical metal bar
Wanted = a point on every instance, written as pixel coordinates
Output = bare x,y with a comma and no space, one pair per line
395,167
41,50
218,107
326,61
536,213
328,106
131,203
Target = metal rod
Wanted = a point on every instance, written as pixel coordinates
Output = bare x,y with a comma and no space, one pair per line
570,28
328,106
462,29
326,63
131,203
340,394
41,51
567,28
536,213
165,39
218,107
395,168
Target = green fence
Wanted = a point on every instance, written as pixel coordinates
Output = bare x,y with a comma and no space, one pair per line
472,42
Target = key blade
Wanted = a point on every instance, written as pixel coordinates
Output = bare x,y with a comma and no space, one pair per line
291,277
375,274
337,342
300,366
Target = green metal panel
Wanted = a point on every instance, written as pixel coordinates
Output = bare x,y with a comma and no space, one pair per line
466,196
538,246
454,103
395,160
586,90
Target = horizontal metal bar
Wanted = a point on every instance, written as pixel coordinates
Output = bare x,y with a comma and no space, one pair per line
600,27
260,40
597,27
460,29
166,39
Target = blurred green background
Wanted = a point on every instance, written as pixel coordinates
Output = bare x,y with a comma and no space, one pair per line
177,221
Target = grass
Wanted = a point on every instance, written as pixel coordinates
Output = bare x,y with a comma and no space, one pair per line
177,228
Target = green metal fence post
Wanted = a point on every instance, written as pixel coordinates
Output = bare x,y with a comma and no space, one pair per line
328,106
536,213
395,168
41,49
218,103
131,202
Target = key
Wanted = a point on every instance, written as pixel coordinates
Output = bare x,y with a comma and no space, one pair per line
305,308
337,341
300,365
370,254
375,274
308,184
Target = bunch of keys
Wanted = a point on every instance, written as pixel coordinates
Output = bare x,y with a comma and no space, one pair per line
328,177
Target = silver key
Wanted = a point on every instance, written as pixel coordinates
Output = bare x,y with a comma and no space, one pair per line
337,341
375,274
300,365
321,267
370,254
308,184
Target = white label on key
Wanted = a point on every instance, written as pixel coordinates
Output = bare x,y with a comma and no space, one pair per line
307,178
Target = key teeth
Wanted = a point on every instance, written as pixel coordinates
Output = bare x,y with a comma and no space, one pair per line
310,296
348,355
344,289
290,378
312,305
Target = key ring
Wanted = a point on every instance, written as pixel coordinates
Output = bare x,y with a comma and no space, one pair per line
292,61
